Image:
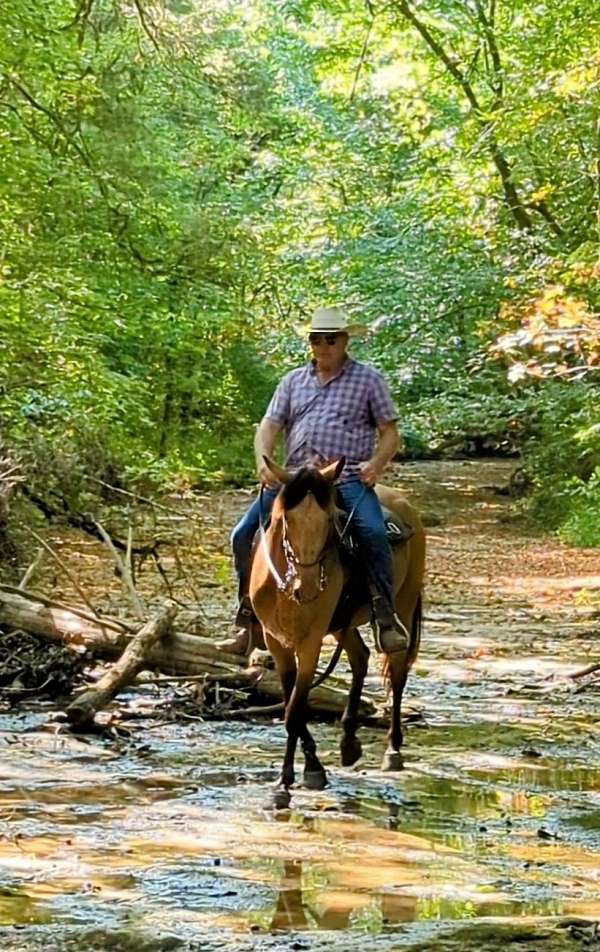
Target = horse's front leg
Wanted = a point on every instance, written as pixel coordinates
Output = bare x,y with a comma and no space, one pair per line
285,663
296,678
308,652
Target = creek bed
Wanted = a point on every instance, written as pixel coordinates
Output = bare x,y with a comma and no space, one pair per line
490,836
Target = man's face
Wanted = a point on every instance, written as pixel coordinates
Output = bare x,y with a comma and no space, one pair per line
328,350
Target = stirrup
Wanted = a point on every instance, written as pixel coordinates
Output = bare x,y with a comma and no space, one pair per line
245,614
396,625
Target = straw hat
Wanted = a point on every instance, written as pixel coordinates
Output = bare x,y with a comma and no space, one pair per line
331,320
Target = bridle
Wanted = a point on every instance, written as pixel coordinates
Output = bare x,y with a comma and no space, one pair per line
289,583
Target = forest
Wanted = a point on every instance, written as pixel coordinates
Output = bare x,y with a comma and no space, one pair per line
181,183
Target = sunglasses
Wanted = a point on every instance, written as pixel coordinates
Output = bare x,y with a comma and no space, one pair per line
329,339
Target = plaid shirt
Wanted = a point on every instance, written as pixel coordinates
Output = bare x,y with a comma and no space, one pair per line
339,418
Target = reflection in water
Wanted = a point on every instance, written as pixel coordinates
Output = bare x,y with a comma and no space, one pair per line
330,909
290,912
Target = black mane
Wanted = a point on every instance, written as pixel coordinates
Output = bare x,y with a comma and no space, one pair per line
306,480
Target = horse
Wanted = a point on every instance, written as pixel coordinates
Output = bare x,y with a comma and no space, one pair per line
296,580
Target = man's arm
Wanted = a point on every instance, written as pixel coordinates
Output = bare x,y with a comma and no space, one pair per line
265,440
387,447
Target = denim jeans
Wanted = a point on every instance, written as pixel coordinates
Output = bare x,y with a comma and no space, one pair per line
368,526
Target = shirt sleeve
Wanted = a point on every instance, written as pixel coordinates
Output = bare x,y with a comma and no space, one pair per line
381,405
279,408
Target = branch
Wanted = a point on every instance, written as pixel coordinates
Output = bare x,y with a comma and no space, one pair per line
362,58
490,36
511,196
31,570
136,496
85,524
123,236
65,569
582,672
125,573
543,209
450,62
54,119
541,206
142,16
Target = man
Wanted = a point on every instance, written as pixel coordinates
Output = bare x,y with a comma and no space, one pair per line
334,406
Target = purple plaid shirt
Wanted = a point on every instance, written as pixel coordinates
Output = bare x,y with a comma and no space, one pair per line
339,418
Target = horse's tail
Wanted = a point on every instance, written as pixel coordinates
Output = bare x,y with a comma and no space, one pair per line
415,632
413,645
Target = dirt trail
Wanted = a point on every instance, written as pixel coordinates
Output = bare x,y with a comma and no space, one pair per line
490,836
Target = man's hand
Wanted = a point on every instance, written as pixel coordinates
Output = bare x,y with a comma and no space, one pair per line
265,438
368,472
265,476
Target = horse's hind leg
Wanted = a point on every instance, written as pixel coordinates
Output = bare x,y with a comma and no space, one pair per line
398,665
397,673
358,656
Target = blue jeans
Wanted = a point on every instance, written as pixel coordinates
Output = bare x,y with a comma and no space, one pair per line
368,526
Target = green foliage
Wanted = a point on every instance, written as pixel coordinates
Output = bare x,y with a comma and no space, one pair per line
581,525
562,461
477,415
182,182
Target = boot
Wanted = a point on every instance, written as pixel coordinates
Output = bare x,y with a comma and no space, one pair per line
388,630
238,643
248,634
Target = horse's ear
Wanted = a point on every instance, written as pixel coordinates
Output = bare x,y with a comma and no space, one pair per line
334,469
280,474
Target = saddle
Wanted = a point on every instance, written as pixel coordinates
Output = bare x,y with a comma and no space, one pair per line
397,530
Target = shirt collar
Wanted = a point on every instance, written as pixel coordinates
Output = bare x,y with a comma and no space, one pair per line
312,368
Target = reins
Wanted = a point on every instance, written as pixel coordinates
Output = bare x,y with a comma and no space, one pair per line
281,585
351,516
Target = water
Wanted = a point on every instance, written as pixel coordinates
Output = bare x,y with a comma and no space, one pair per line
491,835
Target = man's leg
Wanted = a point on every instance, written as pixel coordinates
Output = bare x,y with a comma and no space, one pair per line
242,539
369,527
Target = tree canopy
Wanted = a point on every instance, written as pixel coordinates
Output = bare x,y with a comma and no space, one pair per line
180,182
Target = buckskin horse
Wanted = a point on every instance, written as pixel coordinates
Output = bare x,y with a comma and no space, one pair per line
297,579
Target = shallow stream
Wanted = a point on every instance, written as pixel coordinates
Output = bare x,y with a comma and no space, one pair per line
491,835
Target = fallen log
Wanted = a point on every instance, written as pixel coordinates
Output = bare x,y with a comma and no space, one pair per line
74,627
82,710
105,637
178,653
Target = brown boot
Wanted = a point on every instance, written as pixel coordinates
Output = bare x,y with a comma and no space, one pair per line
389,632
238,643
248,634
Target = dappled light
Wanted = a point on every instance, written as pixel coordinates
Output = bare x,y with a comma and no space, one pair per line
496,814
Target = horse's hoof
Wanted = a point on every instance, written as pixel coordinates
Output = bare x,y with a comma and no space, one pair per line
392,760
314,779
280,800
350,752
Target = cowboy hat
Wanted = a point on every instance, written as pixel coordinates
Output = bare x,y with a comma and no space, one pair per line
331,320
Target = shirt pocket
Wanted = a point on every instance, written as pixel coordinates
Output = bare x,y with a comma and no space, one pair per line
353,413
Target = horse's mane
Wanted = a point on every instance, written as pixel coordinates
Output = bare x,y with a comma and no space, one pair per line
306,480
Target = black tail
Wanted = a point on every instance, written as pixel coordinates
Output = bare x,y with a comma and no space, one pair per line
415,632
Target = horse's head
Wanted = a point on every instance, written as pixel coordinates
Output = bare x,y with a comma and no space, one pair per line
303,516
